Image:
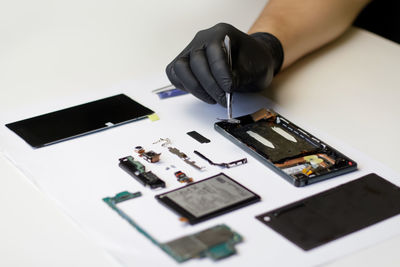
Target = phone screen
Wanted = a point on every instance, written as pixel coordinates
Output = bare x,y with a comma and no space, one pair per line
79,120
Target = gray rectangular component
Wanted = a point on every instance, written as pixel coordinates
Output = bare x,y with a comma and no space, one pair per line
210,195
208,198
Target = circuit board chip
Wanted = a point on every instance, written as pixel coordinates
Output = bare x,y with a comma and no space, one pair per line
216,242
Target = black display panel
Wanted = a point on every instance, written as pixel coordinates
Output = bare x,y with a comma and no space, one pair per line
319,219
79,120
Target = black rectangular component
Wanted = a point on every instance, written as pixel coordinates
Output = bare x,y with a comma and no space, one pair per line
319,219
138,171
290,151
208,198
79,120
200,138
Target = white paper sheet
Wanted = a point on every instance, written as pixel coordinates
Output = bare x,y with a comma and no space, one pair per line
78,173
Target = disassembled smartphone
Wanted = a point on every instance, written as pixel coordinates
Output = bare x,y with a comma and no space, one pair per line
290,151
216,242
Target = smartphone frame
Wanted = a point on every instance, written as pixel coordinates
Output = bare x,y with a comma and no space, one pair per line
225,128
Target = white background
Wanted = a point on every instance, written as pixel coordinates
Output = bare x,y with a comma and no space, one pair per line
57,49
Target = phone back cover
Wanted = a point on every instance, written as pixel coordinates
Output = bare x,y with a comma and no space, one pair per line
79,120
337,212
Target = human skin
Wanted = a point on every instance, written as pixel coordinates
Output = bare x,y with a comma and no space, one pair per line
304,26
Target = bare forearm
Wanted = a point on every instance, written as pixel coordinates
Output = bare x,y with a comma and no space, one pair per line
303,26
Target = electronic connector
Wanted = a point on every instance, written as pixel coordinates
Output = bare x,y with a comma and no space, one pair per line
138,171
182,177
149,156
224,165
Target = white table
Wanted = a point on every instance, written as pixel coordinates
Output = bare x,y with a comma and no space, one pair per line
54,49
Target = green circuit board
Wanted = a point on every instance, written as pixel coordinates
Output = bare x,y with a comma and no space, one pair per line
216,242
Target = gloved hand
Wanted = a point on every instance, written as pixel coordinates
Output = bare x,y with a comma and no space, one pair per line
202,67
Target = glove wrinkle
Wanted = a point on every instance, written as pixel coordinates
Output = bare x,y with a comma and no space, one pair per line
202,72
202,67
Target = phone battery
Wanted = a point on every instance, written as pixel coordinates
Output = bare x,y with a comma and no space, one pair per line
208,198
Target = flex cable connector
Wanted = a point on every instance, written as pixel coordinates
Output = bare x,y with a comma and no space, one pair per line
263,113
224,165
182,177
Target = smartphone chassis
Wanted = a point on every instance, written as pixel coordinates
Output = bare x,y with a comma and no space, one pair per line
290,151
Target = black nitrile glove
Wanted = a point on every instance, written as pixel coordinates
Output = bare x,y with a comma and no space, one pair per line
202,67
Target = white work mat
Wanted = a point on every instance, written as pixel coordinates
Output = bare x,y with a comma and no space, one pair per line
78,173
